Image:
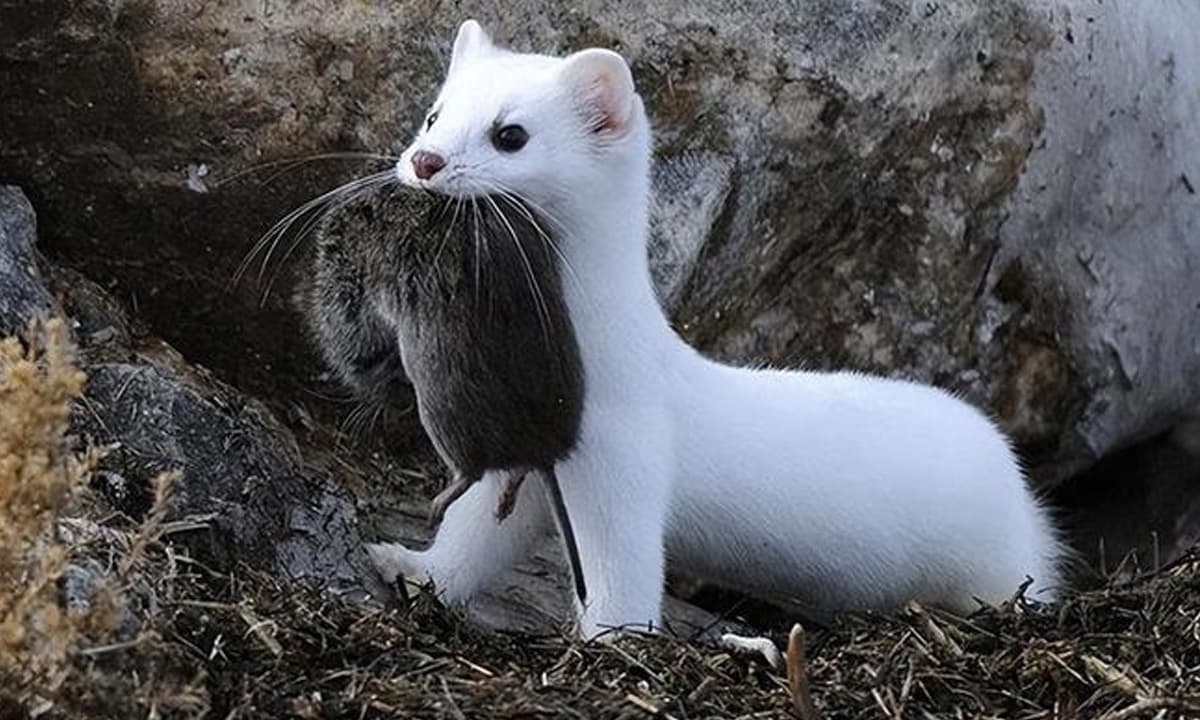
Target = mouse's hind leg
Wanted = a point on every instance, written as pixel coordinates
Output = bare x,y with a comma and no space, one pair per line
446,498
509,492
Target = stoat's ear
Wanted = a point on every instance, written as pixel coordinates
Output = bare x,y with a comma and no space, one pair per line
470,42
601,86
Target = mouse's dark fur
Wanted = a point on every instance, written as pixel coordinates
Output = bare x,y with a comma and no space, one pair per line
475,301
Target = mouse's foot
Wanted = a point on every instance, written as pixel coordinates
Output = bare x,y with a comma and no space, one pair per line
508,496
446,498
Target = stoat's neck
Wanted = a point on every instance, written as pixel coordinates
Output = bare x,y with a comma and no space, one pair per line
620,324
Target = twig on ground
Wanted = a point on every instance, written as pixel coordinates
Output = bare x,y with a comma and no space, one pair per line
798,675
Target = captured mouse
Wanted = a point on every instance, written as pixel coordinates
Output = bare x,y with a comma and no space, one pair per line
465,298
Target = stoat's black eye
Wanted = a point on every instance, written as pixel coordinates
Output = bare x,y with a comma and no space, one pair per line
429,121
510,138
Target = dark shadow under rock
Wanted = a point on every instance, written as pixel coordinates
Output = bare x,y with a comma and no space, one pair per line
1138,509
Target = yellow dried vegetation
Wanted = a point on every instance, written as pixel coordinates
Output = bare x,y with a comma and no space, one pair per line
39,476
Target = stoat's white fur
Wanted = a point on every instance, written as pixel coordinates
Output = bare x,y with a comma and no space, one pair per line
835,490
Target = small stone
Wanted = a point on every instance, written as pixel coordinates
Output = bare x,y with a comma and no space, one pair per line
196,172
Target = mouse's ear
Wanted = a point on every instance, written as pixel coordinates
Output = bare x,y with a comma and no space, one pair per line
470,42
601,86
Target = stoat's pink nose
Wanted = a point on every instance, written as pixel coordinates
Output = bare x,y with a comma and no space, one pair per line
426,164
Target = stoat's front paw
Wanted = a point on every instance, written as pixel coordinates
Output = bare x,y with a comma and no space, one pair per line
393,560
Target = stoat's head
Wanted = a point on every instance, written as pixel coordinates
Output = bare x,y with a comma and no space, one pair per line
540,127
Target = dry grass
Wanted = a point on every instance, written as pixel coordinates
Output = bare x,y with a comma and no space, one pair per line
38,477
248,645
191,642
46,641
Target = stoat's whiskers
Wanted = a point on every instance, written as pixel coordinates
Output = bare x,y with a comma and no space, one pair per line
535,288
288,164
523,204
434,267
481,241
313,220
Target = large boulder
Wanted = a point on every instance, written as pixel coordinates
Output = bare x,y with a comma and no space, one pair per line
998,197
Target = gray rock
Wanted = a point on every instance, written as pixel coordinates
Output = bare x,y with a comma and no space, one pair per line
242,478
23,295
1102,240
80,584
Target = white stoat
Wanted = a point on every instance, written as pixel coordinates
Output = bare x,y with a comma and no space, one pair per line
834,490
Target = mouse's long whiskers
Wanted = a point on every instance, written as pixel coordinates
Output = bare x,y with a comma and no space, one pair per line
376,416
347,428
343,397
362,421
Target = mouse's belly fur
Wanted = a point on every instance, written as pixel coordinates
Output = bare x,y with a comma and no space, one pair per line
477,419
474,306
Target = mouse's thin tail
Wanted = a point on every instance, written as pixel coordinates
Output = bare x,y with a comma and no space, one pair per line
559,508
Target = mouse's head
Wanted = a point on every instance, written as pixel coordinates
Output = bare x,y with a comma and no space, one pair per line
539,127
